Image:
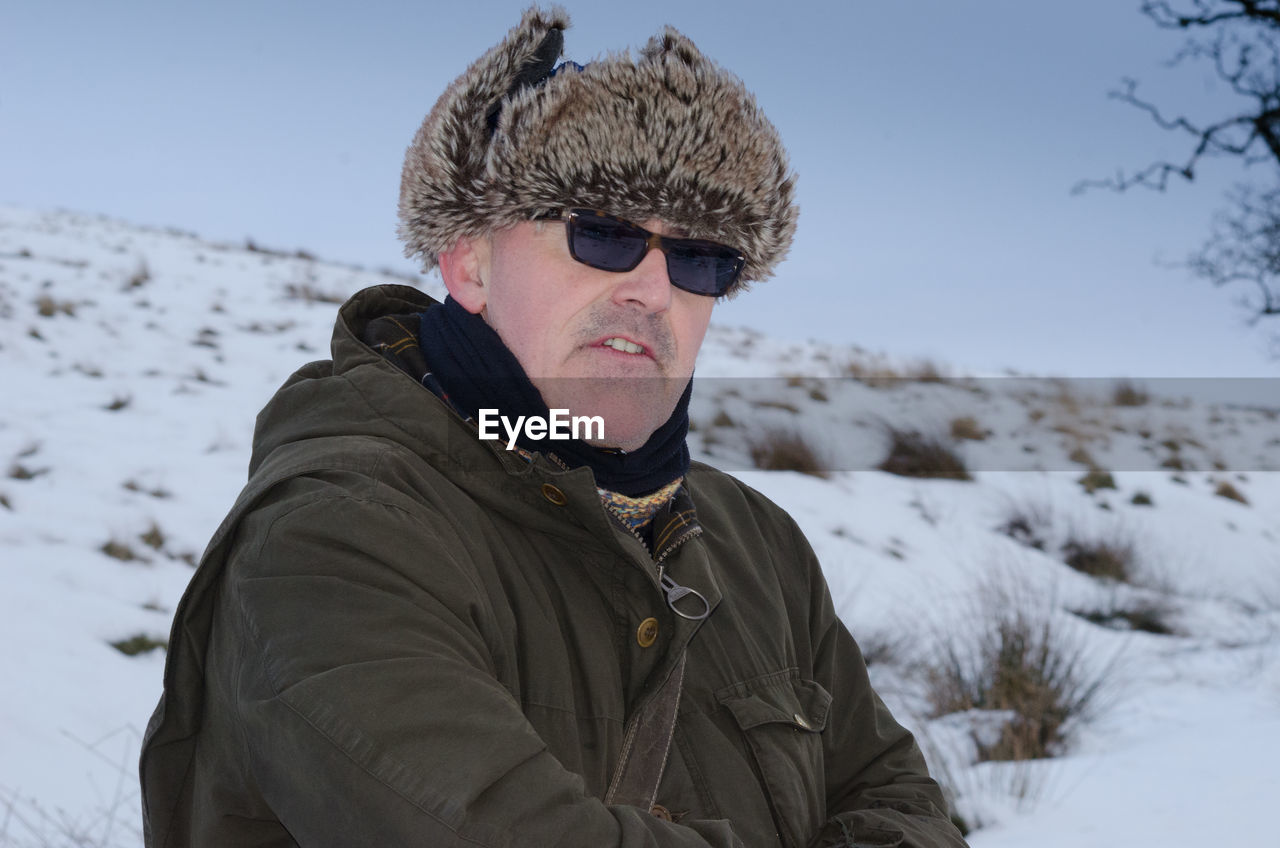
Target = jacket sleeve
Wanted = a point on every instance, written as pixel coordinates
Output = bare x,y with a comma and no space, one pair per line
367,699
879,792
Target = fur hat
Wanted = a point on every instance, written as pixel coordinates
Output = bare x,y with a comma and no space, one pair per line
670,136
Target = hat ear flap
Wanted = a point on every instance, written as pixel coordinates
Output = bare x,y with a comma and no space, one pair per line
672,41
442,184
536,69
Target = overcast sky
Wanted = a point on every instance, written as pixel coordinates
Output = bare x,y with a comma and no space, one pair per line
936,144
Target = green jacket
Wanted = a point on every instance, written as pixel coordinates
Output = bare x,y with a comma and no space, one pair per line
402,635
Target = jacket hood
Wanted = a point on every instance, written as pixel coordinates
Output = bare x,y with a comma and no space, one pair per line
360,398
319,400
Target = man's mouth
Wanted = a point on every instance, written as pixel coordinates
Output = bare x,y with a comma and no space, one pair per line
622,345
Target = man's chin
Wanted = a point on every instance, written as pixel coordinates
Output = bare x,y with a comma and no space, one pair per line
628,411
626,430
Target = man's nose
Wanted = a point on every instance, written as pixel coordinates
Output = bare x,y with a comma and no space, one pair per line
646,285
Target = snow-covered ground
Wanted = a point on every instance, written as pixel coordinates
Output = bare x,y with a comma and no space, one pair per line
133,361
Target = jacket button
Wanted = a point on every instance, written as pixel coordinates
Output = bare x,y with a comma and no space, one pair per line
647,632
661,812
554,495
802,721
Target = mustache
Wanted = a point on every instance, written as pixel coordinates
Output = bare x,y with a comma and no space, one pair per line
610,319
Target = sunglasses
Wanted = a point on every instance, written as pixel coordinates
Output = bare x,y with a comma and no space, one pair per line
612,244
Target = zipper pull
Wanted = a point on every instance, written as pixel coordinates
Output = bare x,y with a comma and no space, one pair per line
675,593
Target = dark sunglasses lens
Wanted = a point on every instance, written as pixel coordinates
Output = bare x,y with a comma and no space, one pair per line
702,267
605,243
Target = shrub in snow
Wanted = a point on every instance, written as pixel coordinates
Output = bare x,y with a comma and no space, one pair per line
881,647
1096,479
1110,558
1126,393
140,277
154,537
912,454
1226,490
722,419
139,644
1028,524
118,550
1081,456
18,471
47,307
967,427
1018,658
786,450
1147,615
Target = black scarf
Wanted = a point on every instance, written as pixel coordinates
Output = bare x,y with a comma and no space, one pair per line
477,371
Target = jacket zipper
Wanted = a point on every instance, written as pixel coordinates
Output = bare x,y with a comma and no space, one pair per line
672,591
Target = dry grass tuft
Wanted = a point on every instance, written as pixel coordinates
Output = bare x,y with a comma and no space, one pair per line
1028,524
158,492
47,307
18,471
874,375
1108,558
118,550
786,450
1226,490
879,374
139,644
307,293
1096,479
154,538
139,277
927,371
1146,616
777,404
1081,456
1018,660
882,647
967,427
1128,393
912,454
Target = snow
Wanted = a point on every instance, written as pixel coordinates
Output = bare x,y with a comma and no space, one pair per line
126,424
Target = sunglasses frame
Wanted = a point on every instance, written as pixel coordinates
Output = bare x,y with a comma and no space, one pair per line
652,240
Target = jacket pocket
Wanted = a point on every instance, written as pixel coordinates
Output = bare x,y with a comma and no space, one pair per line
782,718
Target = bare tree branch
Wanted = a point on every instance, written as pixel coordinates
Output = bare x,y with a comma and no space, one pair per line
1260,10
1241,40
1210,140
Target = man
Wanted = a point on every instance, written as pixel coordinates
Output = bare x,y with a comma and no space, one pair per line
415,630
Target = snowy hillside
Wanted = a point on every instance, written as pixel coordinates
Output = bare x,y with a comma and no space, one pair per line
1128,533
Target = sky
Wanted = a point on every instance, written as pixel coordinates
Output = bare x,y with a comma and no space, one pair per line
936,144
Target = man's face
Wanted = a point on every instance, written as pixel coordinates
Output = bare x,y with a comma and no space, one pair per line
575,329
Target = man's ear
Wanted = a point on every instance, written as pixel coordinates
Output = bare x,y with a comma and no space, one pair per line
465,269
